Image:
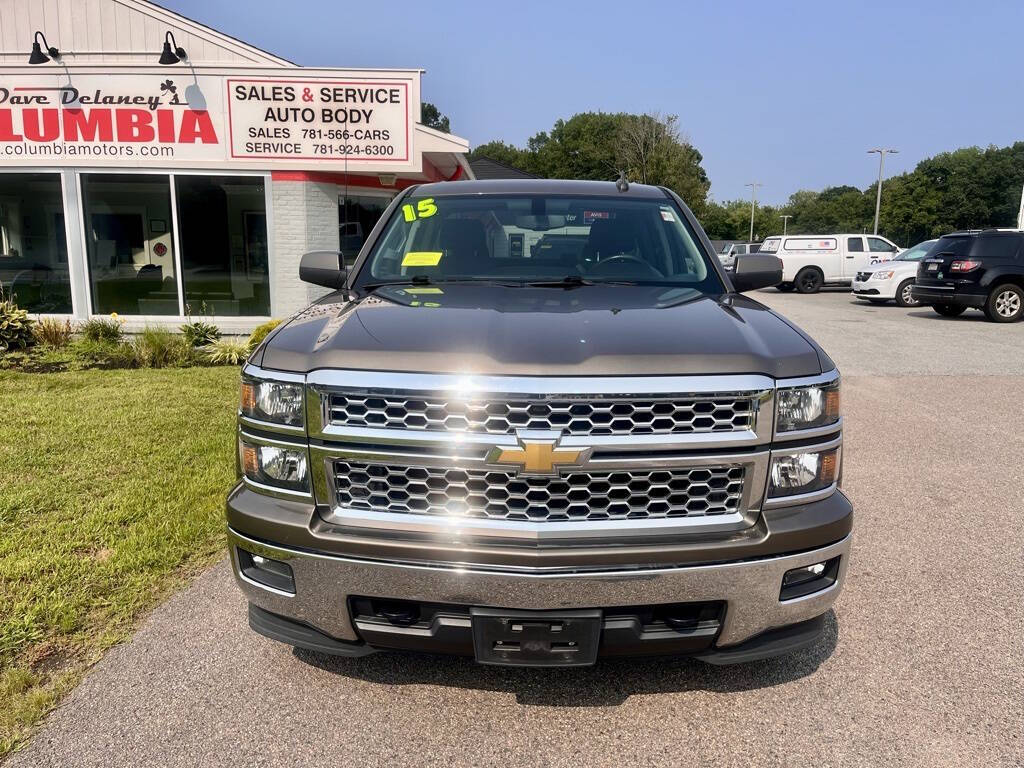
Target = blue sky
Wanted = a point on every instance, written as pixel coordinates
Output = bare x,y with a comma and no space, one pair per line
791,94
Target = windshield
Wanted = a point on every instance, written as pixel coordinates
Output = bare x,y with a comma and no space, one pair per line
917,252
539,238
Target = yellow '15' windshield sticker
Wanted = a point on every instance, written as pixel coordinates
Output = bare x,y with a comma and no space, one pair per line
424,209
422,259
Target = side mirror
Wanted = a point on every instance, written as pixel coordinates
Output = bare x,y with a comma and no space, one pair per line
756,270
326,268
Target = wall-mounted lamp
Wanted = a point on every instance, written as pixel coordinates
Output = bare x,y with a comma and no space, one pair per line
387,179
37,56
169,56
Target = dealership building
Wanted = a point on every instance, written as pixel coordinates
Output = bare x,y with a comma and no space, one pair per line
154,167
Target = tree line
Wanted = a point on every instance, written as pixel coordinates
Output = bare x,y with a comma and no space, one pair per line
969,188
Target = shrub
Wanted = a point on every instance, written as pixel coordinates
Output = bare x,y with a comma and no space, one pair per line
15,327
51,332
15,361
159,348
89,353
102,329
200,334
260,333
226,352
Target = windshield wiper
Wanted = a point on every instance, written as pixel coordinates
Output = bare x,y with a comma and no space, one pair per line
575,281
569,281
413,280
427,280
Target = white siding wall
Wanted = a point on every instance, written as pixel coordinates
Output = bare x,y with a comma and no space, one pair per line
88,27
305,219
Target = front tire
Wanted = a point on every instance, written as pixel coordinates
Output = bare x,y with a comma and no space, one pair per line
809,280
1005,304
904,298
949,310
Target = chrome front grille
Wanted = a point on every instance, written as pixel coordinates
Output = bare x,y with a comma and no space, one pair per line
681,492
575,416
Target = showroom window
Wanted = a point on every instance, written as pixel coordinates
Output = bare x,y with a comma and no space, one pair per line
130,245
222,224
134,232
33,245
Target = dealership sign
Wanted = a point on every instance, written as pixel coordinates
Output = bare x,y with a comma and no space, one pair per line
357,122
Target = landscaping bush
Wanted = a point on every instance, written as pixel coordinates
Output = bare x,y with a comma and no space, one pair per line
159,348
200,334
89,353
15,327
102,329
260,333
226,352
51,332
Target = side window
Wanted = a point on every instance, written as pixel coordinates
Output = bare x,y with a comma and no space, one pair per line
878,245
855,244
1001,247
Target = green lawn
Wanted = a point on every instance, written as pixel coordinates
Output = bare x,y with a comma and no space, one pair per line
112,486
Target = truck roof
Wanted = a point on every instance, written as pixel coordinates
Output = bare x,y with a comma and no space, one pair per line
538,186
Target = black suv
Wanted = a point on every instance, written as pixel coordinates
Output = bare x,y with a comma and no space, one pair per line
984,270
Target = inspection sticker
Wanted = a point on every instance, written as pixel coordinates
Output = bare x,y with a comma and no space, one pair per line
667,215
422,259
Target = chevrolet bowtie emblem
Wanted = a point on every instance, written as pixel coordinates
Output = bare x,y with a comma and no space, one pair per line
538,456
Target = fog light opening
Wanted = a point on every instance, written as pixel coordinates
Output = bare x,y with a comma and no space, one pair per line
265,571
808,579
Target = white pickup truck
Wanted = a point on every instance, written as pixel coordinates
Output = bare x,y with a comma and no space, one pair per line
812,261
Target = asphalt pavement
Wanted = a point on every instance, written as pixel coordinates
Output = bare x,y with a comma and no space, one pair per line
922,663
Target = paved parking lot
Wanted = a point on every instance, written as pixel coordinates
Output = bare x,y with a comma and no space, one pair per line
922,665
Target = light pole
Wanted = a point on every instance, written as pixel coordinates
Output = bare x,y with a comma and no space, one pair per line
785,222
881,164
753,191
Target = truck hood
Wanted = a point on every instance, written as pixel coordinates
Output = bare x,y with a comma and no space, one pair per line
487,329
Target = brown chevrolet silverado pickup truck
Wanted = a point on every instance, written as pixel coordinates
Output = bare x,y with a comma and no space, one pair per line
537,423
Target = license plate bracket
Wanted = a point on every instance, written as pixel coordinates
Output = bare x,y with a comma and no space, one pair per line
536,638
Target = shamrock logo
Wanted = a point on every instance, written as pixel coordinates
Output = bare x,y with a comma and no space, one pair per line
168,85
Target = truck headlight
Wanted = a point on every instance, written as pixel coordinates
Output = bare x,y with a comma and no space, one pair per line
274,401
807,407
803,472
279,466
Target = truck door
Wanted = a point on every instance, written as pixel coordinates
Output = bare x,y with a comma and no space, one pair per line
881,249
856,257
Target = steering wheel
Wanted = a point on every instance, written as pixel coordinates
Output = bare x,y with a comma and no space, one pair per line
644,268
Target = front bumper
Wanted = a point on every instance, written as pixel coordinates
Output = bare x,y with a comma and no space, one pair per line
325,585
876,289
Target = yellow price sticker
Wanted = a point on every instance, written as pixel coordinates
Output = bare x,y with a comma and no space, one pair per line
422,259
421,291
